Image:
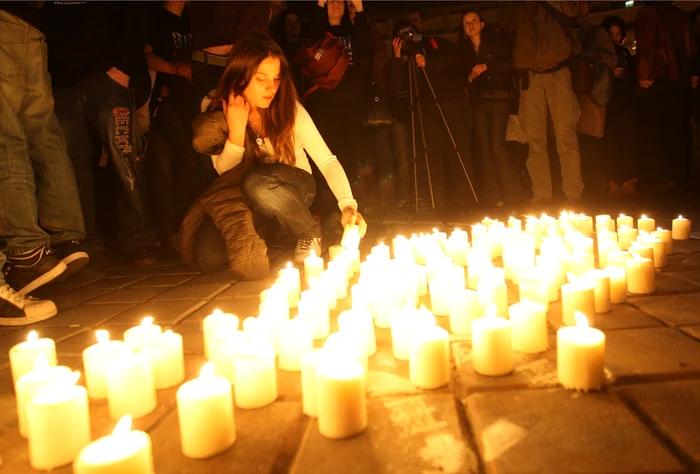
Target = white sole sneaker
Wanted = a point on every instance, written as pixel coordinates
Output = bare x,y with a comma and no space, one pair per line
34,311
44,279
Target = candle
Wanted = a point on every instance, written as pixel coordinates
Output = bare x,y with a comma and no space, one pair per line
351,237
492,349
646,224
255,384
600,281
405,323
290,279
205,413
658,249
581,356
216,322
464,307
449,280
139,336
626,235
429,361
122,451
605,249
337,274
262,330
528,321
641,277
167,360
325,290
492,291
314,307
577,295
334,251
680,228
354,258
534,286
23,355
382,252
642,249
457,249
96,358
579,263
313,267
294,339
308,382
514,223
59,424
624,220
618,258
666,237
222,345
340,398
359,323
43,377
274,302
130,386
618,284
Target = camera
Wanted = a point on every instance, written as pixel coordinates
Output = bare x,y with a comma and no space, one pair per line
411,42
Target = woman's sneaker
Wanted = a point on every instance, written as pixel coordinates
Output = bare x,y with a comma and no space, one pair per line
33,269
17,310
72,255
304,248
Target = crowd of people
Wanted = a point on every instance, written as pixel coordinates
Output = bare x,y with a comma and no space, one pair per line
212,128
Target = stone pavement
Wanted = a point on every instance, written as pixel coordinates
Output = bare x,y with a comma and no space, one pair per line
647,419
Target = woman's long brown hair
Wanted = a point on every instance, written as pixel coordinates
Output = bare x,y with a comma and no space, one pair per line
278,119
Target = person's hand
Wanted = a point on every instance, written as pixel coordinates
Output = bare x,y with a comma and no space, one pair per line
694,81
479,69
646,84
321,3
352,217
619,71
118,76
420,60
236,111
398,46
184,70
358,5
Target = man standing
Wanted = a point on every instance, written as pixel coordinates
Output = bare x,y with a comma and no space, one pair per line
542,47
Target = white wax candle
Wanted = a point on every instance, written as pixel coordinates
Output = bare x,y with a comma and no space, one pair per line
624,220
584,224
314,306
205,413
492,349
382,251
464,307
626,235
59,424
680,228
421,274
666,237
429,361
534,286
449,280
340,398
359,322
477,262
351,237
641,277
578,295
216,322
658,250
642,249
492,291
334,251
528,321
646,224
405,323
618,284
618,258
262,330
167,359
130,386
139,336
341,345
457,249
294,339
579,263
600,280
581,356
354,258
96,358
255,384
124,451
325,288
43,377
605,249
313,267
338,275
308,382
23,355
290,279
514,223
275,303
222,345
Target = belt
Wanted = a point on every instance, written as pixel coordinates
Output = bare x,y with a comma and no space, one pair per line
209,58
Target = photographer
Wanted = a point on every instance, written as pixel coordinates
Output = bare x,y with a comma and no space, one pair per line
440,60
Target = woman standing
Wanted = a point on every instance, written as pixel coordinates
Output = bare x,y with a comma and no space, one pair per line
488,74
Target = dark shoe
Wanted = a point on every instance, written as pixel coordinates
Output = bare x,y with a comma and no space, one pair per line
304,248
17,310
32,269
144,256
73,255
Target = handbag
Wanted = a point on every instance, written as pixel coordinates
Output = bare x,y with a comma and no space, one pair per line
377,112
504,87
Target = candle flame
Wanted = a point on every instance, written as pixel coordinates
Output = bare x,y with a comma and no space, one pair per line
102,335
491,310
168,332
123,426
622,215
644,216
147,321
33,336
680,217
41,362
289,265
581,319
207,370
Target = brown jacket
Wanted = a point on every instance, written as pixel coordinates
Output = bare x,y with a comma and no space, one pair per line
662,32
223,201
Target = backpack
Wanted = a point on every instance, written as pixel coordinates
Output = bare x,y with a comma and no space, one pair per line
324,62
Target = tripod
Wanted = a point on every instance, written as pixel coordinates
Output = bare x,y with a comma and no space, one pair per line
416,110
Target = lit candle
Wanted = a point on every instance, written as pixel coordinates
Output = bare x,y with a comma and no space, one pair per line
666,237
222,345
216,322
528,321
604,221
130,386
23,355
351,237
626,235
274,302
658,249
122,451
605,249
464,307
326,291
641,277
96,358
43,377
514,223
617,258
354,258
59,424
167,360
405,323
600,280
577,295
449,280
618,284
492,349
360,324
581,356
624,220
646,224
492,290
382,252
429,361
334,251
340,398
457,249
308,382
313,267
337,273
290,279
680,228
146,333
642,249
204,405
314,306
534,286
262,330
255,384
294,340
579,263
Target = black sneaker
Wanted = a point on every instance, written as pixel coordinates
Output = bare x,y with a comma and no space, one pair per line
72,255
32,269
17,310
144,256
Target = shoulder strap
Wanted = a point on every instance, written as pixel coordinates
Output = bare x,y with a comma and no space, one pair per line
310,90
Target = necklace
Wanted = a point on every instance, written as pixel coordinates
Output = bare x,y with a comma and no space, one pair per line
258,140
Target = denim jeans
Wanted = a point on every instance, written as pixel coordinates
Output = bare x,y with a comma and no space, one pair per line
283,193
401,141
39,202
97,113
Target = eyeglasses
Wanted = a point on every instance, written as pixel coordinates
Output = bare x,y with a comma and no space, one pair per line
475,21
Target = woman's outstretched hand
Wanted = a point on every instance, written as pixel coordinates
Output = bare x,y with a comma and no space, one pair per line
352,217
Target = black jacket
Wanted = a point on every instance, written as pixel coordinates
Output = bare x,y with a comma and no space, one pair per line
496,51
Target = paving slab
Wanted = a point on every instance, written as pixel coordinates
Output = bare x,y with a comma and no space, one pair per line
692,276
113,283
129,295
624,316
85,315
166,280
20,335
416,434
667,283
202,291
692,331
247,288
163,312
676,310
219,277
78,296
558,431
686,246
241,307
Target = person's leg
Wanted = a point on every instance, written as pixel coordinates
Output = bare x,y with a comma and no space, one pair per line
676,134
403,160
434,168
652,149
565,115
283,193
491,189
458,114
210,253
534,110
503,162
159,171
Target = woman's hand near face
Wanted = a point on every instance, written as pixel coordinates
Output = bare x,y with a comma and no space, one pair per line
352,217
358,5
236,111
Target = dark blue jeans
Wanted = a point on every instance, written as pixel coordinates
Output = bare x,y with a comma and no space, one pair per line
98,113
38,192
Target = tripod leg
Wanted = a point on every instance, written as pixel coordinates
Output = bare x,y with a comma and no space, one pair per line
412,70
411,80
